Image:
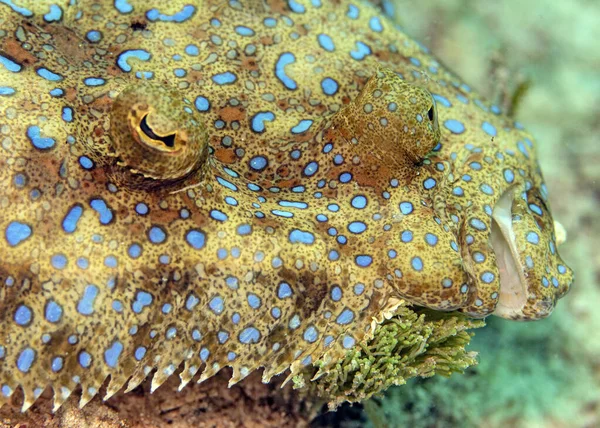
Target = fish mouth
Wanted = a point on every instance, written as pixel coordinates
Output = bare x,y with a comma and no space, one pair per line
513,285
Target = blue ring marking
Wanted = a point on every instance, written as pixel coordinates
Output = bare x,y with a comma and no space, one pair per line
70,221
86,162
219,215
85,359
345,177
49,75
357,227
249,335
42,143
345,317
57,364
284,290
310,334
329,86
302,237
258,121
67,114
361,51
489,129
85,306
112,354
478,224
225,78
54,15
53,312
293,204
124,57
285,59
227,184
106,215
216,305
17,232
417,263
202,104
26,359
348,342
363,260
406,236
244,229
311,168
157,235
302,126
431,239
429,183
244,31
223,336
454,126
281,213
326,42
253,301
196,238
6,90
59,261
94,36
192,50
123,6
359,202
23,315
487,277
406,208
9,64
336,293
487,189
181,16
533,238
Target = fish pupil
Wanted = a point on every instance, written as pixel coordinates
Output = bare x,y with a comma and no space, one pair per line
430,114
168,140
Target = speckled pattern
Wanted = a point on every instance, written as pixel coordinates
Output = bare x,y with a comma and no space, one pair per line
246,186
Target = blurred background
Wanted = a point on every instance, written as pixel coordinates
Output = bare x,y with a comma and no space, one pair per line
547,373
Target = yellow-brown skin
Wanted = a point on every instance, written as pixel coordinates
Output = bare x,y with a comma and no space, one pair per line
159,275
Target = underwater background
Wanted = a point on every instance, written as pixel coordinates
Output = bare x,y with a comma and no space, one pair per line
544,373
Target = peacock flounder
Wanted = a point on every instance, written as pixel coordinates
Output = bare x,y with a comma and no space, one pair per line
246,184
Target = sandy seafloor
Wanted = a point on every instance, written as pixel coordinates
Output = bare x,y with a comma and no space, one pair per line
546,373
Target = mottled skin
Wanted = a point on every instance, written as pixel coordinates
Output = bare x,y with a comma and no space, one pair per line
245,186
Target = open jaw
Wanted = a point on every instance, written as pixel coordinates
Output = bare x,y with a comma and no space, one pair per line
513,285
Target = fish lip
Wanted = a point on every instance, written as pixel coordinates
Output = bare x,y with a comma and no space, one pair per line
513,291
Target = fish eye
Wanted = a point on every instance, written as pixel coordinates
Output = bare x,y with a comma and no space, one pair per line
155,134
431,114
168,140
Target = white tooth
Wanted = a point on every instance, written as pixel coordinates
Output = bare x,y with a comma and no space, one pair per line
560,232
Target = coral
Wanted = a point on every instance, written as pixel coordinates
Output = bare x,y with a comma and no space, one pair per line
414,342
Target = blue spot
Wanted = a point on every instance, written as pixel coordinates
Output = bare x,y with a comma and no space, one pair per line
345,317
192,50
284,290
454,126
533,238
375,24
19,9
94,81
101,208
442,100
293,204
196,238
310,334
9,64
157,235
181,16
364,260
23,315
353,12
406,236
202,104
5,90
458,191
348,342
216,305
357,227
478,224
296,7
345,177
325,42
302,126
258,120
406,208
85,359
124,57
329,86
17,232
59,261
227,184
70,221
311,168
49,75
429,183
223,336
249,335
487,277
359,202
285,59
42,143
244,229
111,355
281,213
123,6
244,31
361,51
253,301
485,188
57,364
226,78
86,162
431,239
26,359
417,263
218,215
300,236
86,305
536,209
67,114
489,129
94,36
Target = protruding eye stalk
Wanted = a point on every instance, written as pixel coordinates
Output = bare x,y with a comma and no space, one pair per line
155,134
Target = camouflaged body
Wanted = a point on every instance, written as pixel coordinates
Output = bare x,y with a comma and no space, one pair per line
245,184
